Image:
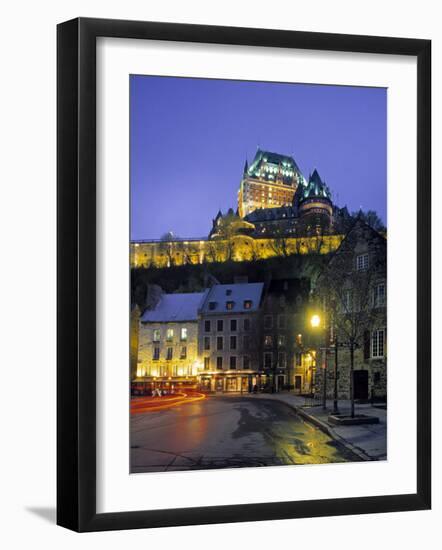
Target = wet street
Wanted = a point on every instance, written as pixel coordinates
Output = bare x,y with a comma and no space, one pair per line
228,432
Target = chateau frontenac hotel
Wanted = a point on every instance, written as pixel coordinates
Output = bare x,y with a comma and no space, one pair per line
275,203
244,332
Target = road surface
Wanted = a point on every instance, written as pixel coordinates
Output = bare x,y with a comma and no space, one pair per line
228,432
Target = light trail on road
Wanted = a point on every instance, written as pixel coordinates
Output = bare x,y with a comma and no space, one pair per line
153,404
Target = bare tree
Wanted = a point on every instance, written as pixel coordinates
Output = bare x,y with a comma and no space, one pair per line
346,290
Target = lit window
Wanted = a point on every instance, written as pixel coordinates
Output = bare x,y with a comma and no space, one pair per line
281,341
206,363
183,354
247,304
268,340
169,334
229,305
362,262
156,335
183,334
377,343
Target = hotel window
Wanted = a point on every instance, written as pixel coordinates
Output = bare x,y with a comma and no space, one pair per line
220,325
183,334
206,363
156,335
183,354
362,262
246,324
281,341
212,305
233,325
377,343
206,342
268,360
169,335
169,354
219,343
282,361
233,361
268,321
248,304
219,363
379,295
156,353
229,305
207,327
246,362
268,341
233,342
281,320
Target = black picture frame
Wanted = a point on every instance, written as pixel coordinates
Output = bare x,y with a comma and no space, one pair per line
76,273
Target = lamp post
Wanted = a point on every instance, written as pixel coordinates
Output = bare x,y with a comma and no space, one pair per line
315,322
335,394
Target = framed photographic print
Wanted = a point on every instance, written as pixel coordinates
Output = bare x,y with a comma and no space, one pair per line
236,341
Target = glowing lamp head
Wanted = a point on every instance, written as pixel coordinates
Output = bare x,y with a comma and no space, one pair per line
315,321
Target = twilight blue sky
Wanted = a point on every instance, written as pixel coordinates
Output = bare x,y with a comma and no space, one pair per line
190,138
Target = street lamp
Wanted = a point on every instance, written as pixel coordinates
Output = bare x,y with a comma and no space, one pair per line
315,322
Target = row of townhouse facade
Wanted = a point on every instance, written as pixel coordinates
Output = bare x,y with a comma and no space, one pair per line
242,336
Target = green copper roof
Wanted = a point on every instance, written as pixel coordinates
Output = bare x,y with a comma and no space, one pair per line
273,166
315,188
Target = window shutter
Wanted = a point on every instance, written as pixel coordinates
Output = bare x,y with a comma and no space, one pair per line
366,345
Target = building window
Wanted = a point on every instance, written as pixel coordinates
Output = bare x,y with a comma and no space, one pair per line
206,363
219,343
233,325
207,327
246,324
183,334
268,360
220,325
281,321
156,335
183,354
268,321
248,304
219,363
347,305
281,341
169,335
212,305
233,342
233,361
229,305
268,341
169,354
362,262
206,342
246,342
379,295
298,359
246,362
377,343
156,353
282,360
228,292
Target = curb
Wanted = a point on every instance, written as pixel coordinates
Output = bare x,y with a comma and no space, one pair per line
328,430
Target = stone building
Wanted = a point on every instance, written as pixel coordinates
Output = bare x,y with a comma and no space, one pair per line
270,181
168,342
227,343
281,318
353,288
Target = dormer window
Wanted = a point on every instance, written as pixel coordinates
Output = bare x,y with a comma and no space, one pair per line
362,262
212,305
228,292
248,304
229,305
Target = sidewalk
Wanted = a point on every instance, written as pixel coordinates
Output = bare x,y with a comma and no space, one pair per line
368,441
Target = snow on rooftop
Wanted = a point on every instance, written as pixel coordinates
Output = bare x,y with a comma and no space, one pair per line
242,297
175,308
